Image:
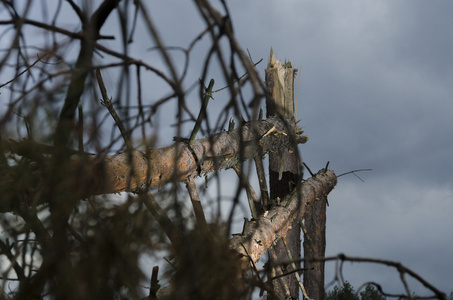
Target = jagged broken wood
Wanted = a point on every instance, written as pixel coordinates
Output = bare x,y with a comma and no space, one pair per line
284,171
261,233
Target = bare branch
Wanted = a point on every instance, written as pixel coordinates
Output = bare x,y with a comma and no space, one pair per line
196,203
136,171
107,102
178,162
254,202
399,267
276,222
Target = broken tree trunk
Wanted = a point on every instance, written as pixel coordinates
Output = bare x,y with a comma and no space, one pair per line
134,171
315,246
262,233
284,173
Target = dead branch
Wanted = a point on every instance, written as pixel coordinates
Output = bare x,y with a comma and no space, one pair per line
107,102
261,234
196,203
354,173
253,199
82,69
402,270
137,170
116,173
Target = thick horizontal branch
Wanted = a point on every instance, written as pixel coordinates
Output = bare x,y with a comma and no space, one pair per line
260,234
138,170
90,174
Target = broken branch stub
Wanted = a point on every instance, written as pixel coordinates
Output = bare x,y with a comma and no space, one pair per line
261,233
138,170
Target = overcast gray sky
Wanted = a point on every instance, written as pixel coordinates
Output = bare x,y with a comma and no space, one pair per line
376,91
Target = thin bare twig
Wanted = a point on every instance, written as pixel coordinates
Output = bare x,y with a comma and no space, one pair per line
107,102
24,71
254,201
354,173
202,113
295,269
399,267
196,203
162,218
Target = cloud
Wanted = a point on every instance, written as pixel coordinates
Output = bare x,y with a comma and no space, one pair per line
392,220
375,93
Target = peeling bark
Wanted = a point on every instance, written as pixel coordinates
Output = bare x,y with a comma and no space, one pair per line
261,234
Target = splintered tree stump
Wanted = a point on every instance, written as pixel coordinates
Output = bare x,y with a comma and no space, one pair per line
284,174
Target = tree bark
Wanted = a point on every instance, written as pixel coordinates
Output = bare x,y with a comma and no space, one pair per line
262,233
179,161
315,246
135,171
283,175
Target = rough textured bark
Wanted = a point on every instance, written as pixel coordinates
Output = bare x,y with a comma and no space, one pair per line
315,246
262,233
179,161
283,174
96,174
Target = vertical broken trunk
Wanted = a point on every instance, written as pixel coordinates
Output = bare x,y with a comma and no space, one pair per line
315,246
283,176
